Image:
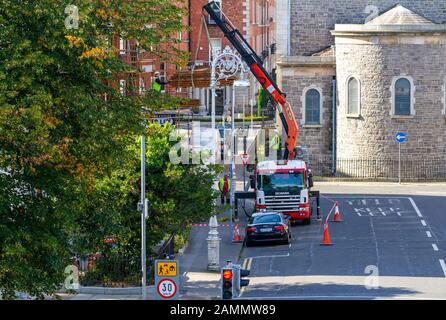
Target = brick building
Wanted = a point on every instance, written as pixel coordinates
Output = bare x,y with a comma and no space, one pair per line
148,64
356,73
255,19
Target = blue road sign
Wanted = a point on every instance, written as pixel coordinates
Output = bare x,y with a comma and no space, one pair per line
401,137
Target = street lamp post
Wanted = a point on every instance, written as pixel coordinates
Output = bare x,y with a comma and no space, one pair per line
225,64
238,83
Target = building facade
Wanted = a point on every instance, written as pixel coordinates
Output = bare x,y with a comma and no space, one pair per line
356,74
148,63
255,19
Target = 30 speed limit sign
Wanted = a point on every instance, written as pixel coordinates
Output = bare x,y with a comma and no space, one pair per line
167,288
166,280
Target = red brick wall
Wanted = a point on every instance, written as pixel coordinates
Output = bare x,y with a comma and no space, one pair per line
233,9
147,59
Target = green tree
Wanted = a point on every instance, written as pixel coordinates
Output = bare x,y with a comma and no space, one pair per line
63,123
180,194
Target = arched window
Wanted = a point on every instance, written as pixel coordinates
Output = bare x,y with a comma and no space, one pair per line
312,107
353,96
402,97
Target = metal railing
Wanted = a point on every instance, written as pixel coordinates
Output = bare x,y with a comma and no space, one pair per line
413,168
111,270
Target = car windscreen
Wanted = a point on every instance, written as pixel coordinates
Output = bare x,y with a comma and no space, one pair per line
269,218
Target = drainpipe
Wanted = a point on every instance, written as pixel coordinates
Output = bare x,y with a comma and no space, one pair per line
190,30
289,29
333,169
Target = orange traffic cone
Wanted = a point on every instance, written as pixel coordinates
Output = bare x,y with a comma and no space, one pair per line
237,237
326,241
337,216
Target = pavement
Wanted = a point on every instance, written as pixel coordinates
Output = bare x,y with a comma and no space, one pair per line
197,281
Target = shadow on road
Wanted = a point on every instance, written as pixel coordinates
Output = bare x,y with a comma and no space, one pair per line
324,291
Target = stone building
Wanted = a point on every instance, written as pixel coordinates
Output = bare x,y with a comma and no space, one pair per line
356,74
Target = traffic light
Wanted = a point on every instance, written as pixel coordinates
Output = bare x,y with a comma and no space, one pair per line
227,276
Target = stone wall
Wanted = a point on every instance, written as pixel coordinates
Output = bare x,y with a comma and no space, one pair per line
372,135
312,20
316,138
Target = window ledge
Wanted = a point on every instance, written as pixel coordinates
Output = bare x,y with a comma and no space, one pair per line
402,117
353,116
312,126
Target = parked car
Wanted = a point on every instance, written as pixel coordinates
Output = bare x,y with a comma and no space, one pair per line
266,227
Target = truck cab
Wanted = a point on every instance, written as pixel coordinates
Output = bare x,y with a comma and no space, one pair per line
283,186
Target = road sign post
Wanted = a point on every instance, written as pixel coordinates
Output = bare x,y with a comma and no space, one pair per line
400,137
166,280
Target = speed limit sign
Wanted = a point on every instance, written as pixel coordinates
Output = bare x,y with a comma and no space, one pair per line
166,280
167,288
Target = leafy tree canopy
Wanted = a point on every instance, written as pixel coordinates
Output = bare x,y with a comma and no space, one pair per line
63,123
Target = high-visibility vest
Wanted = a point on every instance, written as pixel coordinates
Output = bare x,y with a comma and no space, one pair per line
222,184
156,86
275,142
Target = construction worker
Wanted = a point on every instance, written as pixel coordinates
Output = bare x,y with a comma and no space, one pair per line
158,84
225,188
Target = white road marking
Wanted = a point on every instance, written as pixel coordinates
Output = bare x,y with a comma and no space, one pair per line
357,211
245,262
429,235
249,264
364,202
277,256
382,211
369,211
377,201
443,266
350,202
423,223
415,207
435,247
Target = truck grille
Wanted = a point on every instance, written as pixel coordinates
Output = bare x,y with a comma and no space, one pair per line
282,203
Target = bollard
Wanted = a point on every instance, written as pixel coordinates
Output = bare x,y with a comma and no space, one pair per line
213,245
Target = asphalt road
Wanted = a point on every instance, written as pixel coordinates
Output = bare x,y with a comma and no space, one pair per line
388,247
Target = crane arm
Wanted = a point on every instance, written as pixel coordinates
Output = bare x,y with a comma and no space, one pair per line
255,64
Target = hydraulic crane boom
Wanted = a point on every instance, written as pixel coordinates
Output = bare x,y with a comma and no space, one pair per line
256,66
